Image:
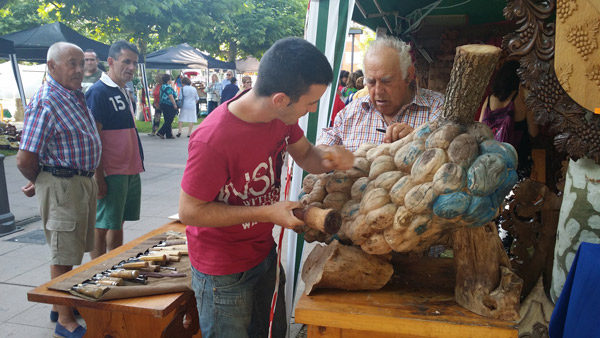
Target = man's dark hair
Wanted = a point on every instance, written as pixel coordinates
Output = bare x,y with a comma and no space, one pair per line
233,80
91,51
166,78
291,66
117,47
506,80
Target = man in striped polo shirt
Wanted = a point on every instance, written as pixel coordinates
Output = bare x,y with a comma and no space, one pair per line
59,151
395,104
118,174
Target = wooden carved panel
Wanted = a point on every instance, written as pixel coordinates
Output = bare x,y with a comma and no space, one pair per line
576,130
531,219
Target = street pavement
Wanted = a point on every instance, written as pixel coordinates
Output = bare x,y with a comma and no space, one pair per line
24,266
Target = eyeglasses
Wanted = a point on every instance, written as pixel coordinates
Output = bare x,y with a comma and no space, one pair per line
228,74
247,82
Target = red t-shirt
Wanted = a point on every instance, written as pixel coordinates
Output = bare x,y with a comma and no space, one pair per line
237,163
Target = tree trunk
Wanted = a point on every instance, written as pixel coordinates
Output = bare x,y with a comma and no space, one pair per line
485,283
232,53
473,66
143,48
345,267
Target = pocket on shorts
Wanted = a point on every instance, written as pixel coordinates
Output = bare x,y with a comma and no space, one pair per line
58,225
61,191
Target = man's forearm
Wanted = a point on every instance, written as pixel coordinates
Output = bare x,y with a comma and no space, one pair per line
216,214
195,212
30,173
28,165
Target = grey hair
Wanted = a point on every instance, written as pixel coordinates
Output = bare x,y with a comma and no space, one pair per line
117,47
401,47
55,51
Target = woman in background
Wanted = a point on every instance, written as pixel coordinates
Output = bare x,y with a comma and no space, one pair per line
350,87
504,111
213,93
246,83
168,105
190,97
156,103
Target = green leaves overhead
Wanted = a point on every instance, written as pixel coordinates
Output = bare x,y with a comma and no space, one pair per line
225,28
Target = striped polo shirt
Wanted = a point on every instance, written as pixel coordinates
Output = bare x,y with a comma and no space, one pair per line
357,122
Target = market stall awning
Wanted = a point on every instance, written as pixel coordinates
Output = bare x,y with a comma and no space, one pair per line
184,56
176,57
32,44
7,47
247,65
402,17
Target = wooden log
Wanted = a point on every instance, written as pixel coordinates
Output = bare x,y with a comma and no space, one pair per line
473,66
485,284
344,267
325,220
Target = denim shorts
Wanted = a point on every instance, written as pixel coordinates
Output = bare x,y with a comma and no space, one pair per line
238,305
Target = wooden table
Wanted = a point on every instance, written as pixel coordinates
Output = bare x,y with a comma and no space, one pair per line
143,317
419,303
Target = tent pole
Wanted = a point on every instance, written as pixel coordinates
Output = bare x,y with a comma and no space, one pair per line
17,73
142,68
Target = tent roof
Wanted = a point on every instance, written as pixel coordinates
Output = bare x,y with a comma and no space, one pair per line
32,44
249,64
6,47
180,56
184,56
214,63
401,15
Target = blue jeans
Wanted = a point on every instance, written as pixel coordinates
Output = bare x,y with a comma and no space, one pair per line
211,106
238,305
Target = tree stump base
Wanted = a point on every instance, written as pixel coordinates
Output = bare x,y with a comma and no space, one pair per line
485,283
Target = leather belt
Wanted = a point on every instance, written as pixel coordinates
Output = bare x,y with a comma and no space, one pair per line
66,172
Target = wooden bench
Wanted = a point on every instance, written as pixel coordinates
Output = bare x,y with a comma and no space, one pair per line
143,317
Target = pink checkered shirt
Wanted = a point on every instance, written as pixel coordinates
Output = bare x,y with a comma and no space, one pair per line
357,122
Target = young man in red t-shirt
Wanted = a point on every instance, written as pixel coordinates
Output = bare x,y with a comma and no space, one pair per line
231,187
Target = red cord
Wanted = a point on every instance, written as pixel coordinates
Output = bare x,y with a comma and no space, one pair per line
276,291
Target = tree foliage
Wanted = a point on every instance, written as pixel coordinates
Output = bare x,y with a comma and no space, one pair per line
225,28
19,15
256,25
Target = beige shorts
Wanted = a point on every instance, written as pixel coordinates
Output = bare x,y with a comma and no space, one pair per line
68,211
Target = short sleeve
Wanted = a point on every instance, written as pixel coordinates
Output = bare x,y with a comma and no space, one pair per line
296,133
97,102
331,135
37,127
205,172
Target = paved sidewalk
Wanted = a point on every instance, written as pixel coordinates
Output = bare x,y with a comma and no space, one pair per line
24,266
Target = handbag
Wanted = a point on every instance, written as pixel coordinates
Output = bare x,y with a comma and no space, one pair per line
178,101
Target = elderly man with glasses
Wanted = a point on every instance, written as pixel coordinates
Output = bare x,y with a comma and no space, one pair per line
226,81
